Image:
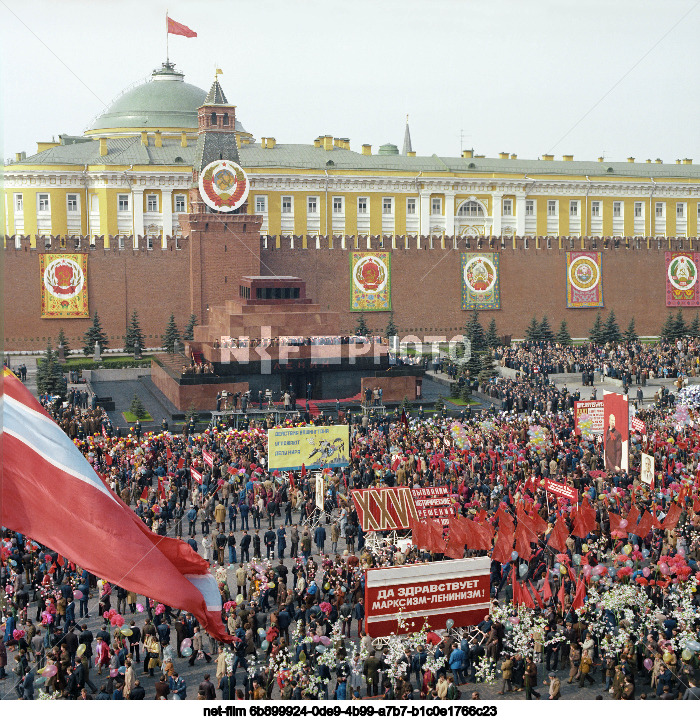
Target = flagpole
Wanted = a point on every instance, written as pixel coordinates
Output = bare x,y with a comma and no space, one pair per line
167,48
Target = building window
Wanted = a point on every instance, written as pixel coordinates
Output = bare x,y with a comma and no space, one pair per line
286,203
19,203
659,210
411,206
152,203
180,203
471,209
260,204
551,207
224,119
387,206
123,203
573,208
436,206
72,203
529,207
337,204
595,209
638,210
617,209
312,205
213,118
507,206
361,206
680,210
44,201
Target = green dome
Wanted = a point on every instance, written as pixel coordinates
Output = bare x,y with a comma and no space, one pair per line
388,149
165,101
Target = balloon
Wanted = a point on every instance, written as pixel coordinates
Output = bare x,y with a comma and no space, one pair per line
522,569
186,652
663,567
584,547
668,657
139,607
325,641
514,556
80,650
50,671
686,655
629,564
595,578
261,632
122,670
126,631
316,638
320,649
449,623
624,523
645,553
239,599
576,559
627,549
78,594
636,546
265,645
646,571
648,664
113,672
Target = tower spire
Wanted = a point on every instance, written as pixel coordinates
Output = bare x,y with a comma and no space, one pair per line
407,147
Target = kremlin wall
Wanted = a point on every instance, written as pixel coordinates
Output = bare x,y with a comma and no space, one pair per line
202,269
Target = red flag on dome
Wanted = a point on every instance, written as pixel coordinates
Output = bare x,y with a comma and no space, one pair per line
176,28
49,486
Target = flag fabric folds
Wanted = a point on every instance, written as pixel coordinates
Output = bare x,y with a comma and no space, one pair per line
176,28
558,536
52,494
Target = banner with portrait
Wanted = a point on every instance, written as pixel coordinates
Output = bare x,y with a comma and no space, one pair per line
646,474
481,282
616,432
584,279
682,288
64,289
370,281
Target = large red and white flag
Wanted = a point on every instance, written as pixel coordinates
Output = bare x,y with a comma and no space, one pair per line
176,28
51,493
638,425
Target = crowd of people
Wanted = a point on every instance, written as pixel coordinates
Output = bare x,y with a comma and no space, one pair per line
604,597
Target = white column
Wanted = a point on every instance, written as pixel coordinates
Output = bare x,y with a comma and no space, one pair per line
449,212
520,214
166,198
424,213
496,205
137,209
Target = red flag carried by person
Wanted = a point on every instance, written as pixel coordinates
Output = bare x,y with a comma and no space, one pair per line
536,595
479,536
52,494
456,539
176,28
144,494
580,595
672,517
546,589
557,538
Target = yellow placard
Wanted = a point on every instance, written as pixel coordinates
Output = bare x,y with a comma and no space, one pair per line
64,289
310,446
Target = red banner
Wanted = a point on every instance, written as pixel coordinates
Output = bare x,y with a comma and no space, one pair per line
208,458
196,475
561,490
616,435
391,509
432,592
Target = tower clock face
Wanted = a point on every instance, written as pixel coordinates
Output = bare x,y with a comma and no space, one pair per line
223,185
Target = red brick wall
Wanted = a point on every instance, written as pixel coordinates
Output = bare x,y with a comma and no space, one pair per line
425,285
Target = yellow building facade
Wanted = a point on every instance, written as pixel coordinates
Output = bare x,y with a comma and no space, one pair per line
129,175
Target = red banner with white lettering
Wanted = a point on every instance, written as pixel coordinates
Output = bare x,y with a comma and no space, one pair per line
391,509
428,592
561,490
208,458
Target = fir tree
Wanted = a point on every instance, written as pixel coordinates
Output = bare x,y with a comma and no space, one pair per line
137,409
134,336
391,329
63,340
611,330
630,334
361,329
474,332
466,393
492,339
172,335
440,405
679,327
668,329
563,336
49,376
94,334
544,331
488,367
532,332
595,334
191,414
406,405
189,328
694,327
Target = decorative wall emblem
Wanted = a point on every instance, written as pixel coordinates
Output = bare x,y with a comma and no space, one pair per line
223,185
63,286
